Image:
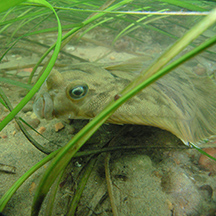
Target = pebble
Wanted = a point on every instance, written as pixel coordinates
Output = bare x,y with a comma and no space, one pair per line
59,126
32,187
33,115
170,205
41,130
3,135
70,48
112,57
28,113
5,109
207,191
206,162
183,193
28,70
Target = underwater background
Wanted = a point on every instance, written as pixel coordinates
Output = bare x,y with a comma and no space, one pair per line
123,169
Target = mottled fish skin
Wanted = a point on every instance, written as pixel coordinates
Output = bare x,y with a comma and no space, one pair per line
180,102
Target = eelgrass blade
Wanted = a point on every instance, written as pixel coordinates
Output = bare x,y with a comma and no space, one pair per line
3,103
16,83
21,126
8,25
36,87
28,33
5,5
69,35
175,49
81,186
32,14
110,185
202,151
6,197
133,26
22,120
52,195
183,4
66,153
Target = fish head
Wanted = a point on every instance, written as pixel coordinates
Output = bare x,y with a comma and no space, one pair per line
77,94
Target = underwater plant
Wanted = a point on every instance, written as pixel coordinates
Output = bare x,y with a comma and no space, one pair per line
61,157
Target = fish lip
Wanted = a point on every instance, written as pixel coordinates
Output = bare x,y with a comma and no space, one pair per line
43,106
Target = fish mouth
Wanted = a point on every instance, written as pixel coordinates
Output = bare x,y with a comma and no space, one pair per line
43,107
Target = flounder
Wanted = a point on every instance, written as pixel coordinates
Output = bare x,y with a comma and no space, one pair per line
180,102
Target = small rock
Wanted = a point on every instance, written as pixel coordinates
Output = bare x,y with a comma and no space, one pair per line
34,122
206,162
207,191
28,113
170,205
70,48
59,126
41,130
183,193
32,187
3,135
33,115
112,57
5,109
28,70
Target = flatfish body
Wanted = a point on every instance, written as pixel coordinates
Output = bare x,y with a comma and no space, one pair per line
180,102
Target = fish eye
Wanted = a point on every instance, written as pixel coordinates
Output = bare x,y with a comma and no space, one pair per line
78,91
